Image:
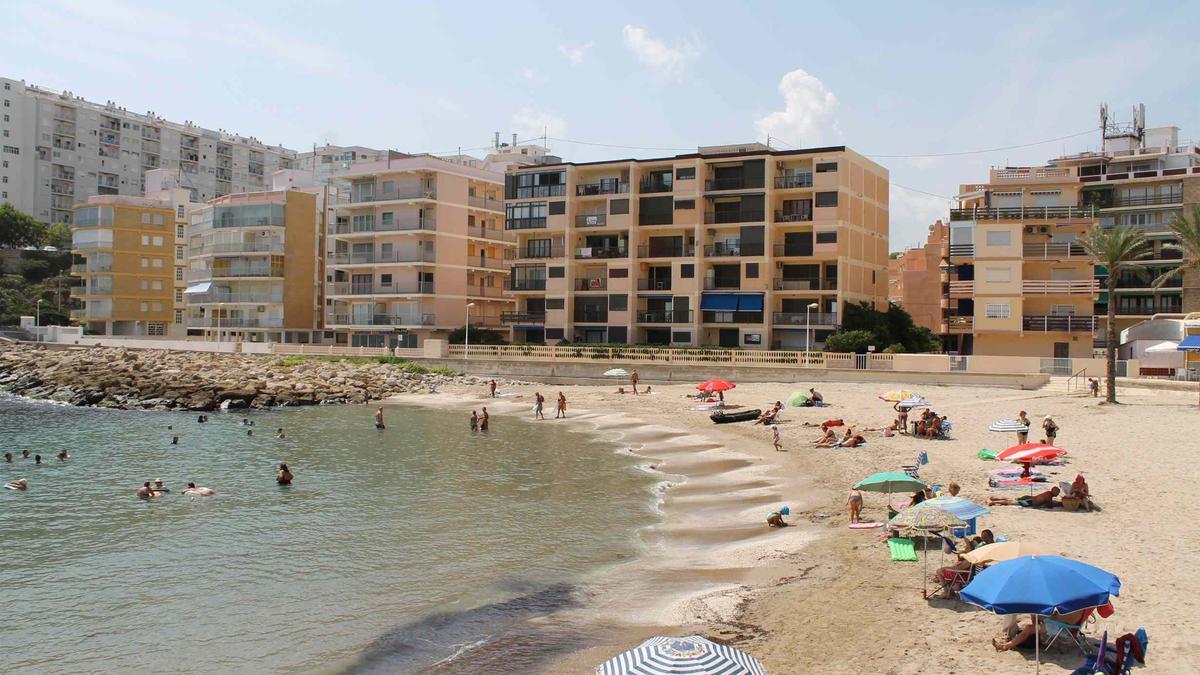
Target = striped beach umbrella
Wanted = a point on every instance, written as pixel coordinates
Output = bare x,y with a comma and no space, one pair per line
616,372
1032,453
1008,426
670,655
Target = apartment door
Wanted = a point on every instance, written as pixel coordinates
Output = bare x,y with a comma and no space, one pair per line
1062,350
728,337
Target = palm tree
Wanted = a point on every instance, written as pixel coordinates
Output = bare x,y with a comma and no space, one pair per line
1117,249
1186,229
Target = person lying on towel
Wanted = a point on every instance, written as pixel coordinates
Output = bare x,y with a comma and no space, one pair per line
1042,500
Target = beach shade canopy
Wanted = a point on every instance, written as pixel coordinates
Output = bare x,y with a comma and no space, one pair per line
913,402
692,654
925,517
616,372
1040,584
960,506
1030,453
1001,551
897,395
715,385
890,481
1008,426
797,399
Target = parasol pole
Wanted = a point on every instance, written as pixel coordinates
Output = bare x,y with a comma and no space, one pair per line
1037,644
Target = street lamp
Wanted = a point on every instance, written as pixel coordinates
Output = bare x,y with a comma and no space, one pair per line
37,321
467,351
808,326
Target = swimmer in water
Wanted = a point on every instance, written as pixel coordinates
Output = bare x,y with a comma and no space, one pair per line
198,491
159,487
24,454
146,492
474,421
379,419
245,421
63,456
279,433
8,457
174,440
19,484
483,421
283,475
37,459
249,432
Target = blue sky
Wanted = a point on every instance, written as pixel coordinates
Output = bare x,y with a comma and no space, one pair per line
889,79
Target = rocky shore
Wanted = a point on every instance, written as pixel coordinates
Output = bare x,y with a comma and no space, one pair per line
143,379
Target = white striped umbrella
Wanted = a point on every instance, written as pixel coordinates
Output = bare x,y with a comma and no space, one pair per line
1008,426
616,372
693,655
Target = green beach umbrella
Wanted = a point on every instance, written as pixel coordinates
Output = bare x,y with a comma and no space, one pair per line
889,482
797,399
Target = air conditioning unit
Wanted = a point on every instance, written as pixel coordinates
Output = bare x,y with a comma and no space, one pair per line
262,308
1029,229
1044,229
711,232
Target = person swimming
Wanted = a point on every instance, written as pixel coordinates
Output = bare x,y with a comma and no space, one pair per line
24,454
8,457
249,432
283,475
37,459
279,433
63,456
198,491
159,487
18,484
146,492
474,421
174,440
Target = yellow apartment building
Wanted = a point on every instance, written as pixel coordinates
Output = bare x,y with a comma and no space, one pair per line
255,268
738,246
417,249
127,248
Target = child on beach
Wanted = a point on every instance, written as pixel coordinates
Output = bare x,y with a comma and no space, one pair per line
777,437
474,421
1094,386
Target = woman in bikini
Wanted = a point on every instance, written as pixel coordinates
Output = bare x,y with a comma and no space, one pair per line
855,504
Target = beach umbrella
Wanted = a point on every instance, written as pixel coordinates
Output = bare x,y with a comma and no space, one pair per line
1041,585
1001,551
924,519
889,482
913,402
715,385
897,395
1030,453
1008,426
797,399
616,372
692,654
960,506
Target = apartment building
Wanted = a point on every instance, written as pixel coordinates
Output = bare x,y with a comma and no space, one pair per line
417,249
126,248
327,162
738,246
57,150
255,267
914,281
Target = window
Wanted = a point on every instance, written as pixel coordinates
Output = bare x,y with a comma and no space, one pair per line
826,238
618,273
618,334
998,311
751,270
145,240
156,285
178,274
178,253
179,230
752,338
157,262
556,303
158,219
618,207
558,208
685,173
999,238
998,275
145,262
385,280
179,316
1062,310
827,199
386,217
618,303
6,133
556,272
157,241
178,295
11,150
156,306
685,204
145,284
179,213
681,337
554,333
687,271
826,167
145,218
145,307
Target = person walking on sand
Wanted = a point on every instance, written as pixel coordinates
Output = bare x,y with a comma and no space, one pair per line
1050,428
379,419
561,411
1023,436
537,406
633,378
483,420
855,503
777,438
492,388
474,421
1094,386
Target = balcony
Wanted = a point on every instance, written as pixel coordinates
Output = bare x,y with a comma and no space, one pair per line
83,291
539,253
794,180
805,285
681,251
1025,213
233,322
489,233
151,133
654,284
525,223
782,216
793,251
474,290
111,125
409,288
1143,310
732,317
524,284
589,315
603,188
219,297
591,284
377,258
91,244
239,247
724,184
804,319
235,272
224,151
536,191
381,320
743,215
189,142
485,263
665,316
591,252
962,250
522,317
1147,200
89,268
1059,324
960,324
485,203
667,218
1057,251
732,249
962,289
591,220
372,196
1056,287
361,227
651,186
85,314
715,284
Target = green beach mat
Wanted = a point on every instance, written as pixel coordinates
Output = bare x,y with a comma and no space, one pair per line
987,454
902,549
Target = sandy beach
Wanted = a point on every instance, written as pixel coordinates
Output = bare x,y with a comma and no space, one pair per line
822,598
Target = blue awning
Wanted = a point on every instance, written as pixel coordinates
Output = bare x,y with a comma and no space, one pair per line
1190,343
719,302
750,302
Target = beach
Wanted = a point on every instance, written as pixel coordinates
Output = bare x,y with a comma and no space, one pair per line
822,598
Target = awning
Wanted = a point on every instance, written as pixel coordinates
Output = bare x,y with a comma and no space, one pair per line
750,302
719,302
198,288
656,296
1190,343
1164,346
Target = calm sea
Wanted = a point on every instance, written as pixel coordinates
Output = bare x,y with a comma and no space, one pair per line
393,550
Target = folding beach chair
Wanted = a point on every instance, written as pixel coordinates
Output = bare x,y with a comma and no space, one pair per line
1095,664
1072,632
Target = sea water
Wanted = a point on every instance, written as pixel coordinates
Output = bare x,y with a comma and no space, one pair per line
392,551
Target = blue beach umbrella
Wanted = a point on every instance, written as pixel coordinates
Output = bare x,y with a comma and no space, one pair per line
693,655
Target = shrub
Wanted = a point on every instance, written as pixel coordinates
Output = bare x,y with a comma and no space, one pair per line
895,348
855,341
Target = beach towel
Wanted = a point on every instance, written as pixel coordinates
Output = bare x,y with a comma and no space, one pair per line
1009,485
987,454
902,549
864,526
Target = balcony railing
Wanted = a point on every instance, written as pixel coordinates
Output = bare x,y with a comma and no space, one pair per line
591,220
665,316
369,226
235,271
731,317
90,314
601,188
81,291
794,180
522,317
591,316
960,323
732,250
240,247
1050,323
782,216
715,284
962,289
654,284
489,233
524,284
90,268
487,263
381,320
681,251
586,252
233,322
1063,287
422,255
655,186
733,216
593,284
962,250
804,319
721,184
474,290
525,223
357,197
410,288
1142,310
667,218
1054,250
792,251
536,191
536,253
91,244
1148,200
233,297
485,203
1023,213
805,285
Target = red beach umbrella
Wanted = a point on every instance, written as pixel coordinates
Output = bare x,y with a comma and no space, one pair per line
716,385
1030,453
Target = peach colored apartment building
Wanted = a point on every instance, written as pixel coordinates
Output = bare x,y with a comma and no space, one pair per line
738,246
914,279
1016,282
417,248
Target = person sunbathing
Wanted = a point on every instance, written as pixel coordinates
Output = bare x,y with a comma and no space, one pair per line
1038,501
768,417
852,441
828,440
1079,493
1024,637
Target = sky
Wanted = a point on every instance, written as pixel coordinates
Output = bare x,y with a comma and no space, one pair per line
920,88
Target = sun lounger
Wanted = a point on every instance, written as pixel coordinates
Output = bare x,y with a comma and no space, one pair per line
902,549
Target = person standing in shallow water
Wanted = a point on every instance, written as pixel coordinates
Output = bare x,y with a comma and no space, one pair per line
474,421
484,419
492,388
539,401
562,407
379,419
283,475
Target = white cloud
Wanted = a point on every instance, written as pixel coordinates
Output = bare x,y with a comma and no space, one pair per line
575,54
809,115
531,122
910,214
663,60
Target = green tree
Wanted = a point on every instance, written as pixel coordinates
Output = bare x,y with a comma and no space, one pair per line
58,235
892,327
846,341
1117,249
19,229
1186,229
479,336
